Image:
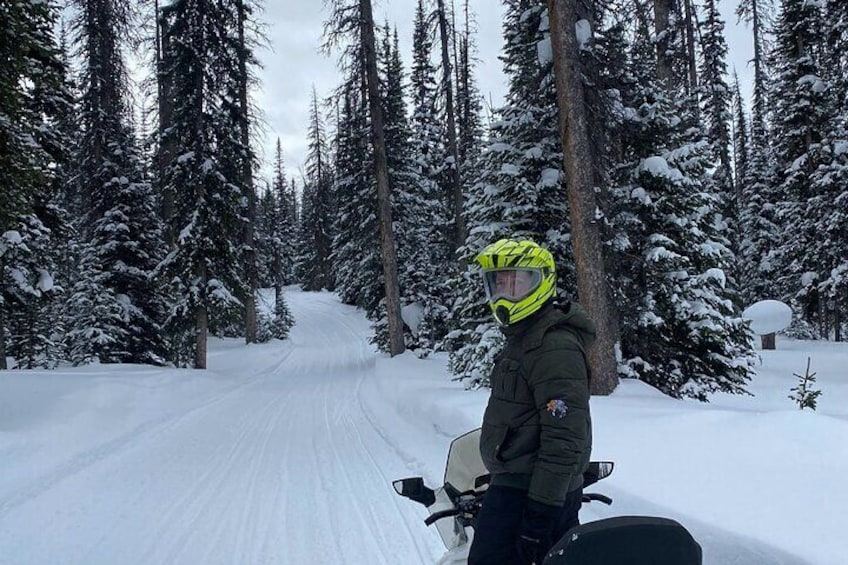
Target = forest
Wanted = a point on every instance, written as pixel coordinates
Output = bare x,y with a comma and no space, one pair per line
131,231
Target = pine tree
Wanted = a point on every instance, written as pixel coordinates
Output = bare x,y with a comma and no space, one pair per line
715,104
355,19
417,206
355,246
681,329
115,310
200,64
758,194
315,267
741,150
520,192
800,119
33,147
829,203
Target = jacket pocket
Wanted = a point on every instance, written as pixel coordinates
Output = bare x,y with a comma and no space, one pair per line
505,378
491,443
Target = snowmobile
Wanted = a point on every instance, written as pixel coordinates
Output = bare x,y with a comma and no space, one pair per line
624,540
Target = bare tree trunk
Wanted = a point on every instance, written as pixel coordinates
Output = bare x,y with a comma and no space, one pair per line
579,162
247,184
201,314
201,325
691,61
387,241
758,120
456,196
665,70
2,324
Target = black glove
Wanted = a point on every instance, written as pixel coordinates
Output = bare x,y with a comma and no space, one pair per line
534,536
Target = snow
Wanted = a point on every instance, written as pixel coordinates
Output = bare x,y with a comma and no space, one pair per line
549,177
768,316
284,453
412,315
658,167
544,51
13,237
583,32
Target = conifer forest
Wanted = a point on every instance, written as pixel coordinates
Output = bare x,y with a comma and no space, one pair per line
136,219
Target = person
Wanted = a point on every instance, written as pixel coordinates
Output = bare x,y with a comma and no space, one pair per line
536,436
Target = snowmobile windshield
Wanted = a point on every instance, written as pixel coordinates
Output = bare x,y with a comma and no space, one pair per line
511,284
465,466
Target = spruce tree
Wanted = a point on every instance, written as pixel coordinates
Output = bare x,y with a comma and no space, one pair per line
359,278
418,208
34,100
115,309
715,105
315,268
800,119
200,61
681,328
520,192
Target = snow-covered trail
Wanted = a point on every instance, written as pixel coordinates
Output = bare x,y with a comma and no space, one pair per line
281,467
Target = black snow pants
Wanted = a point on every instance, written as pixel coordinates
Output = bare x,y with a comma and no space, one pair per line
498,523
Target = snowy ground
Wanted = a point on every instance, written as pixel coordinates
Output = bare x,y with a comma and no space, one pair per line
283,453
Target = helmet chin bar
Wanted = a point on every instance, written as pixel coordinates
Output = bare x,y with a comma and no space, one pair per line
502,315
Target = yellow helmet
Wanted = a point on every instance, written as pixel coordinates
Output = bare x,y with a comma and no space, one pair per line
519,276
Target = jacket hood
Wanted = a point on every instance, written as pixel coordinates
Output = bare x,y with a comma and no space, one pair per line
560,314
578,320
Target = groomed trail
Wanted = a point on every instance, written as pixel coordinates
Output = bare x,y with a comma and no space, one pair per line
283,454
279,465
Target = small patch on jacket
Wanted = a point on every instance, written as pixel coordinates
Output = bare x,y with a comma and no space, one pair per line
557,408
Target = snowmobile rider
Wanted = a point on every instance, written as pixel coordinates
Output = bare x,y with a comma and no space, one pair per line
537,432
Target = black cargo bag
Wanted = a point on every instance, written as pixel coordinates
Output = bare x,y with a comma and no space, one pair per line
626,540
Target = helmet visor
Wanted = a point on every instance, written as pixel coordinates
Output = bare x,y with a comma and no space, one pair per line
511,284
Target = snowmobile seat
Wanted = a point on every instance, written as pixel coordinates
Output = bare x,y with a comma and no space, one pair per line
626,540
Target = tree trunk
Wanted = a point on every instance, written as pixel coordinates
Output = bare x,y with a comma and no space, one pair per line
579,162
201,313
2,323
247,184
758,120
768,341
456,186
201,325
387,241
691,61
665,69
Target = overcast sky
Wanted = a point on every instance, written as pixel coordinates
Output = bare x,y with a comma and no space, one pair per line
293,63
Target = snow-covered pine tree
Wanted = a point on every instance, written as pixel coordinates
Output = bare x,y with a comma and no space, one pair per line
741,148
715,97
418,211
829,203
681,329
288,223
758,194
114,309
799,121
356,247
33,147
353,23
315,270
469,104
520,192
203,268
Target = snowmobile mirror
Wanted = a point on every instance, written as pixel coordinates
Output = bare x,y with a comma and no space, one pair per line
415,490
597,470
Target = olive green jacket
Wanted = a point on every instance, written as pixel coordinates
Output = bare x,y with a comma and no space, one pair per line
537,431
